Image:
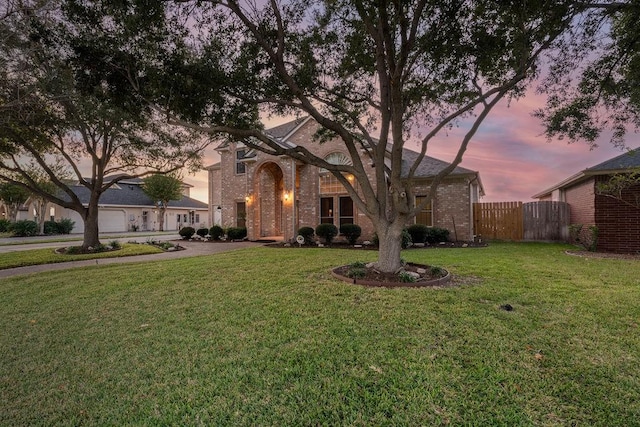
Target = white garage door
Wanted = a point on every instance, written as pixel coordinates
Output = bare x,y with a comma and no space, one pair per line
111,220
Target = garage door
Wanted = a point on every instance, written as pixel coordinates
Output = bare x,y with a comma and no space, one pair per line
111,220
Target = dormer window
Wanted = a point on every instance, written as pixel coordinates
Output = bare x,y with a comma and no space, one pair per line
241,168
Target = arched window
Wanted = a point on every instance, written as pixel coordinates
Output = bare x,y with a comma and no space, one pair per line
329,184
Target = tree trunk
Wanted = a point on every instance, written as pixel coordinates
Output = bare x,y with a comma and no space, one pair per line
161,219
390,245
91,236
42,206
13,212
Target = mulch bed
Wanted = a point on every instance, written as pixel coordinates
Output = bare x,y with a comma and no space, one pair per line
372,277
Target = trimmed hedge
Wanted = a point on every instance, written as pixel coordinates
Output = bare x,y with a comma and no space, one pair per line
202,232
187,232
327,232
236,233
418,233
437,235
351,232
216,232
307,233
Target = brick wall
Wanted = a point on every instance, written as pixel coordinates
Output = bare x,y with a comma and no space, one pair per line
581,198
618,222
452,207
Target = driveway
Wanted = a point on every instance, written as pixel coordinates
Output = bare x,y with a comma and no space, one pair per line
192,249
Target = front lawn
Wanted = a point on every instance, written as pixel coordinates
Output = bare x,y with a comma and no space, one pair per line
265,336
49,256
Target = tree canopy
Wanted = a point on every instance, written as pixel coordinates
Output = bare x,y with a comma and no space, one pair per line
162,189
66,113
606,66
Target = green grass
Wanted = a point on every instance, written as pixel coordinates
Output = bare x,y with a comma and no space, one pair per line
266,337
48,255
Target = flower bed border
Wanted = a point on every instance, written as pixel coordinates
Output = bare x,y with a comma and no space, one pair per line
379,284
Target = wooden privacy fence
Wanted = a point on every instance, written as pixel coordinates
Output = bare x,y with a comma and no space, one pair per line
522,221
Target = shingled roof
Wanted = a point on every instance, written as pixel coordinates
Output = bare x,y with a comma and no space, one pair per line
628,160
620,164
130,193
429,166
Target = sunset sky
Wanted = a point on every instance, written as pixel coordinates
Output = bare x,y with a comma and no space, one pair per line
514,159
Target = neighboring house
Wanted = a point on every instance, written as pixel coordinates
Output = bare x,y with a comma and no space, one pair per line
125,207
618,221
273,196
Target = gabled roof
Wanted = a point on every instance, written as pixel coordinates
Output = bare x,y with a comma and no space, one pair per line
131,194
286,129
619,164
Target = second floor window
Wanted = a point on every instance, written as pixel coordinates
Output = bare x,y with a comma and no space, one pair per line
241,168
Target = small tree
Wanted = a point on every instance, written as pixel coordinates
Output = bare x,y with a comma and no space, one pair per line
162,189
618,185
13,197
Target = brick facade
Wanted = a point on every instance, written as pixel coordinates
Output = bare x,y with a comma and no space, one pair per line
618,222
581,198
281,195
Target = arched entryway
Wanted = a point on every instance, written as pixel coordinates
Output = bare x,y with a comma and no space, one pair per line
268,207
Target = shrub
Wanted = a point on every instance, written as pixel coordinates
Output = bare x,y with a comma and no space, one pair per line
202,232
216,232
187,232
351,232
50,227
307,233
437,235
100,247
236,233
72,250
406,277
4,225
24,228
418,232
588,237
65,225
115,244
327,232
166,245
406,239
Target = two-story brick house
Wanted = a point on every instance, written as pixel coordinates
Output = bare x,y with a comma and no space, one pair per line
273,196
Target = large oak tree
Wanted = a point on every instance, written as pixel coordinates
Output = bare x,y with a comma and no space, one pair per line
374,74
60,105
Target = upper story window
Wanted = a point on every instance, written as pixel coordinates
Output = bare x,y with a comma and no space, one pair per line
336,159
328,182
241,168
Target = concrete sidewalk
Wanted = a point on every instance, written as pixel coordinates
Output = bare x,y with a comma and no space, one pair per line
192,249
138,236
